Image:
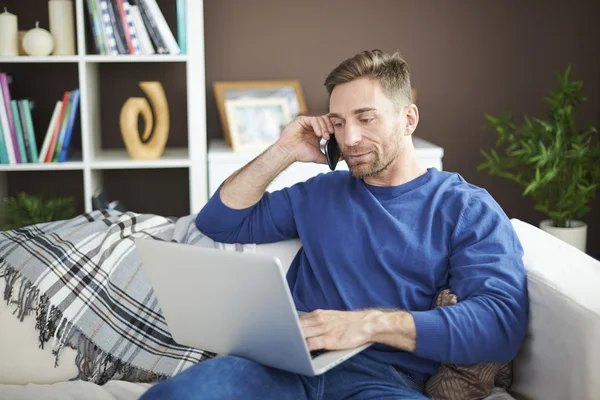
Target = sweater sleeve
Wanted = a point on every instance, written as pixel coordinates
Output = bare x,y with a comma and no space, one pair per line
489,322
269,220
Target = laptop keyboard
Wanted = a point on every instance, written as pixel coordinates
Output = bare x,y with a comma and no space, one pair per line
316,353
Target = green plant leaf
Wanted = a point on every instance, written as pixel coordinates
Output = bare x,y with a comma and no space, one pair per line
556,162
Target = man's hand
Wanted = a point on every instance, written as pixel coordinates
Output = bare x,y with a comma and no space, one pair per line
337,330
301,138
340,330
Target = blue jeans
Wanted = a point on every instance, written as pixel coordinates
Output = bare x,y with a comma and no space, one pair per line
358,378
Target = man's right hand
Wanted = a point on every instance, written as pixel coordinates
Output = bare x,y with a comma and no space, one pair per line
301,138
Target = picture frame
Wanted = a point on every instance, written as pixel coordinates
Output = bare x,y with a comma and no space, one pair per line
249,111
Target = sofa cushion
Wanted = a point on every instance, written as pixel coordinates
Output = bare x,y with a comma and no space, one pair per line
559,358
22,360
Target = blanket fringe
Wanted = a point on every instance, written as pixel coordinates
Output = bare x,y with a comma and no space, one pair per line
93,364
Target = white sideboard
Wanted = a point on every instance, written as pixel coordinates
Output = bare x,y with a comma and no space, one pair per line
222,162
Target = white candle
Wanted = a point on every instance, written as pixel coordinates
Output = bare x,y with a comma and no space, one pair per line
38,42
62,27
8,34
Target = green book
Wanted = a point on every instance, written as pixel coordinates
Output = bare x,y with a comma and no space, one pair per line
19,131
26,108
3,153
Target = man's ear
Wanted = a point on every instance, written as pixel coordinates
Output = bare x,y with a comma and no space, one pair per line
412,119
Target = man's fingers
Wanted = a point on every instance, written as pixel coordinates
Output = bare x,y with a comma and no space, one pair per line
324,127
312,331
316,343
329,123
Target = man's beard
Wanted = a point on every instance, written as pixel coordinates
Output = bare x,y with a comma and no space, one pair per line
380,162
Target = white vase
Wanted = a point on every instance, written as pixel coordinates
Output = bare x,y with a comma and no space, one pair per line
575,235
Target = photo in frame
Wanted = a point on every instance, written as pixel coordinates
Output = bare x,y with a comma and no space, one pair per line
253,113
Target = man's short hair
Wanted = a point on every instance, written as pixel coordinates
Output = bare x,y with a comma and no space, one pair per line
391,71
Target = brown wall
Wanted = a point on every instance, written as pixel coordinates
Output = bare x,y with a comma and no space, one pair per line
467,58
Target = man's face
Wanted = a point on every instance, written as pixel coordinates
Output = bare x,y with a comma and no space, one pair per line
367,126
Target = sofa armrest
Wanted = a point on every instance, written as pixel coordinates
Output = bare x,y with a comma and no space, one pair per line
559,358
285,250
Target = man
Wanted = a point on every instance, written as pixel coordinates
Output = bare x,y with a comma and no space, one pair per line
379,244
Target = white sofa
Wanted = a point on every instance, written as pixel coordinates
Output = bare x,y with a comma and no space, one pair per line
560,359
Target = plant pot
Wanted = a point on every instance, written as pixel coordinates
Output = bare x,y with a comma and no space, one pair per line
575,235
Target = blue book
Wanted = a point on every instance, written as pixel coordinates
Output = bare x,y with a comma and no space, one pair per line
70,127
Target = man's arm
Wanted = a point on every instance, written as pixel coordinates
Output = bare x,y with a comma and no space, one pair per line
241,212
488,323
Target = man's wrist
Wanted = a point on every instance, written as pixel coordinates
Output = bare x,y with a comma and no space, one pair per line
393,328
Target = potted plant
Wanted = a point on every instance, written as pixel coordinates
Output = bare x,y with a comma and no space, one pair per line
25,210
553,158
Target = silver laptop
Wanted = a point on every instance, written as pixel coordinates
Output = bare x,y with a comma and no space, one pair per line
232,303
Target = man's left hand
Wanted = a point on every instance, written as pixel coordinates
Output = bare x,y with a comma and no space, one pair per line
338,330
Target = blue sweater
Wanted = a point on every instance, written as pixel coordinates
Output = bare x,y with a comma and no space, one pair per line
367,246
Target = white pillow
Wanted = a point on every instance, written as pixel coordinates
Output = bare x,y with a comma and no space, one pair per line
559,359
22,361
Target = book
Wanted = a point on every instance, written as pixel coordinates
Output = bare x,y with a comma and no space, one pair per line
135,42
110,41
63,129
182,25
113,10
123,21
25,106
9,116
3,154
64,146
95,27
8,141
51,128
159,43
24,132
19,130
56,133
162,25
142,31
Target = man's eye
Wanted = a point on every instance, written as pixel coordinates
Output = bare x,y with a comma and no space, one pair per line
337,125
366,120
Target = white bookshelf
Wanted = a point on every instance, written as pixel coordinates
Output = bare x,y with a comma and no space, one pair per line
94,160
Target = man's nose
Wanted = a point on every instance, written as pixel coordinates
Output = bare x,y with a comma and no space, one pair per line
352,135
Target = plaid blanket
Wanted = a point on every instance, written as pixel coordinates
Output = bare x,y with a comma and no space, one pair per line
83,279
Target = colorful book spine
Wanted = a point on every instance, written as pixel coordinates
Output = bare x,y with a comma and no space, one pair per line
10,149
111,42
135,42
63,129
182,25
3,153
50,131
70,128
11,122
56,133
125,26
25,107
19,130
25,132
113,10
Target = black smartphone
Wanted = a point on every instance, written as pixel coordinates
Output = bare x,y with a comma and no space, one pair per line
332,152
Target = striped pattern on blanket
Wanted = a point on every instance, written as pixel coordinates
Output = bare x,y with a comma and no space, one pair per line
83,280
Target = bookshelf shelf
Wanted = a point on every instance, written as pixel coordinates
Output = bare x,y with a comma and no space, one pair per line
40,60
70,165
135,59
118,159
105,83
